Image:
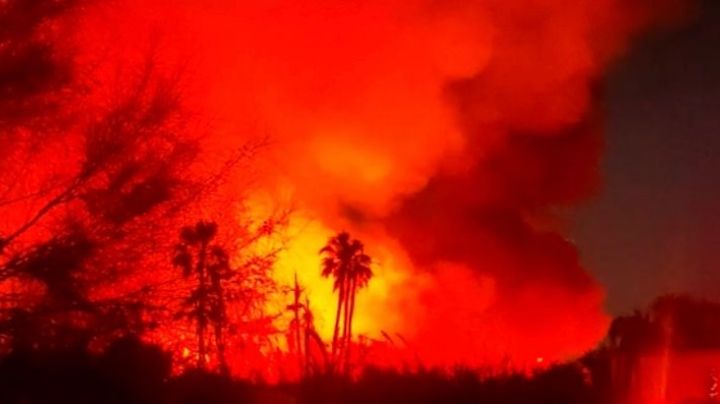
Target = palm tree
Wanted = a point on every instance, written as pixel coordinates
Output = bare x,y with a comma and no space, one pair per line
345,260
210,264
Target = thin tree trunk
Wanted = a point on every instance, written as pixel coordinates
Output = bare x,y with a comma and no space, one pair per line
220,342
346,317
341,297
219,324
353,290
201,320
298,325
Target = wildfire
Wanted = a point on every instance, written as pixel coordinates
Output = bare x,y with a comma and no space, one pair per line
441,134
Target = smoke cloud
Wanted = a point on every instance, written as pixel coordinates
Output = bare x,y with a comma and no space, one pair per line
444,134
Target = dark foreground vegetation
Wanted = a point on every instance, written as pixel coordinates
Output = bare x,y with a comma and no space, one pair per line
133,372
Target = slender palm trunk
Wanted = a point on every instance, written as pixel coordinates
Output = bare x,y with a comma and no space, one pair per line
346,311
353,290
201,306
343,341
219,323
346,325
341,299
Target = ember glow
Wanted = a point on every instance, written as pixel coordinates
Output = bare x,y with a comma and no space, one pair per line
444,135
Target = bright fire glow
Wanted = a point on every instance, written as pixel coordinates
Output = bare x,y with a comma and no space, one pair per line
441,134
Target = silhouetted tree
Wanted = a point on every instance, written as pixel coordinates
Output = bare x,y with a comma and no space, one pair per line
633,333
296,326
345,260
675,322
80,218
90,189
196,256
695,324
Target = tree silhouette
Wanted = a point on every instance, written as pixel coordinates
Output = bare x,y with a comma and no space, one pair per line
84,209
296,325
345,260
81,227
209,263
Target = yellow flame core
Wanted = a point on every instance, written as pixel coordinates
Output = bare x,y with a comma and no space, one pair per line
302,256
377,308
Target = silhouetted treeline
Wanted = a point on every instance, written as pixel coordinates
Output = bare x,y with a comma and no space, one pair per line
694,324
129,371
132,372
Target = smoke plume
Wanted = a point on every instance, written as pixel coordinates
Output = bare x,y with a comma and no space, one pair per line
444,134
